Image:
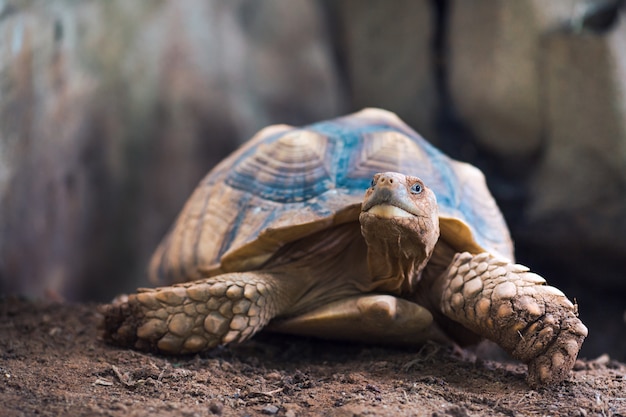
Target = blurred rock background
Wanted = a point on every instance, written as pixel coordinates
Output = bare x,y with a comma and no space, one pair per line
111,112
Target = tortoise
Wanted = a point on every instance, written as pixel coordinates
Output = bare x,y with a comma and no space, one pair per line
357,229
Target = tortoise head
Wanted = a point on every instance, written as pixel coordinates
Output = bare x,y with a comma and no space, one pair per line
400,223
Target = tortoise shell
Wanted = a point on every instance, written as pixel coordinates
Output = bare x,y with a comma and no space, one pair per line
287,183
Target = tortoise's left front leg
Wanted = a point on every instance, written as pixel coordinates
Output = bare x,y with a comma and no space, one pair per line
514,307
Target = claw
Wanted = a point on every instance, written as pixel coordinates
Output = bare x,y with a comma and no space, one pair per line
534,322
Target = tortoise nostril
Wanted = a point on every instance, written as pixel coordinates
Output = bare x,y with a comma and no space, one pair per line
385,180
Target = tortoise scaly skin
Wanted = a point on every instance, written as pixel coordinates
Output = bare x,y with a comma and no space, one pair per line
354,229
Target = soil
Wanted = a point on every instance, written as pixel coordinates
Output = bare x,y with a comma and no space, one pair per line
53,363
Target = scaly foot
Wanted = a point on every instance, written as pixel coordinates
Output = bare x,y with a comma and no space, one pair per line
514,307
194,316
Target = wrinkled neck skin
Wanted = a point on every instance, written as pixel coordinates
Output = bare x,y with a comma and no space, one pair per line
398,249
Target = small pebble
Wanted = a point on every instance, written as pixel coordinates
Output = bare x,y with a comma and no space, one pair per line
216,408
270,409
372,388
273,376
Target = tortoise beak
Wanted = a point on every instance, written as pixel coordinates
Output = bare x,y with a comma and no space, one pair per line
389,197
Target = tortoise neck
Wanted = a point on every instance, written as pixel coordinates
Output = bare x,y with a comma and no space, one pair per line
397,252
391,269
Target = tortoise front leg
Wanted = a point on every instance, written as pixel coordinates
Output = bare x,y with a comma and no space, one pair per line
198,315
514,307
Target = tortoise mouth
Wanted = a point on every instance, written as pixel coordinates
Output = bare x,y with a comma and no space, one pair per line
389,204
389,211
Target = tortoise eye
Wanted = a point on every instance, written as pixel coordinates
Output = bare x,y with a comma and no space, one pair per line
416,188
373,183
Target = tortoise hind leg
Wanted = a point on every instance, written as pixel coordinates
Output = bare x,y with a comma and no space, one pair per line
198,315
512,306
370,318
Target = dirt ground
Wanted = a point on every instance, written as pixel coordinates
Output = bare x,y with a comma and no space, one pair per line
52,363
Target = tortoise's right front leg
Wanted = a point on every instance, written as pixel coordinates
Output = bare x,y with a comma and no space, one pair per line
198,315
514,307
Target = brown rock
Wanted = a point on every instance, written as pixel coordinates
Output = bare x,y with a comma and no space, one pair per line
111,112
387,52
